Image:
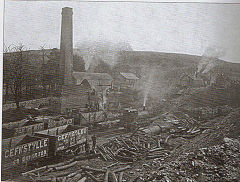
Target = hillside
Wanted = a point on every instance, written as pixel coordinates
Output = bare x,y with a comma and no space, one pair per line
138,62
133,58
161,74
164,69
173,60
146,57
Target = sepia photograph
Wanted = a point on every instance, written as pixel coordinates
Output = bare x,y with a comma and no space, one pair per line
112,91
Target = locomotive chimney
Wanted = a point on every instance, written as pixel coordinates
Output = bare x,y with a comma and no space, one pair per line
66,46
144,108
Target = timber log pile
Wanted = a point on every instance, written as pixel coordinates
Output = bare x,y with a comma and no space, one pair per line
188,151
132,148
71,171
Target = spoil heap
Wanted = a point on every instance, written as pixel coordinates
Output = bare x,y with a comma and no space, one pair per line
215,163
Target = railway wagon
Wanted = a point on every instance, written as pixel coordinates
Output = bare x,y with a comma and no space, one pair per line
29,128
56,121
129,116
23,127
89,117
28,149
64,137
14,124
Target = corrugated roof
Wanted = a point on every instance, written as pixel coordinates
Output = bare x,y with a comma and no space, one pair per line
129,76
97,81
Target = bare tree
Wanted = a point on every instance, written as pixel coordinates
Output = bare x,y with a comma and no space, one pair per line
16,72
6,70
6,48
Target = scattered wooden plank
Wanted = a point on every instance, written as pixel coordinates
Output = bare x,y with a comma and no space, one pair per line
76,178
106,176
93,169
82,180
91,176
60,174
156,149
122,169
120,179
72,175
60,164
112,177
66,166
111,165
102,153
154,157
90,156
34,170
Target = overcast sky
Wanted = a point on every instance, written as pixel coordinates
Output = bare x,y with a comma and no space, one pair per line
178,28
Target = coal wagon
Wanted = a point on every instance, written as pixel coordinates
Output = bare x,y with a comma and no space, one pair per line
65,137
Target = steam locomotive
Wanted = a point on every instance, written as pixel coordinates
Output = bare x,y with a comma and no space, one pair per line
132,117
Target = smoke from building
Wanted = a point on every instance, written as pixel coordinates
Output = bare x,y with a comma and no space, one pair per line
93,51
209,59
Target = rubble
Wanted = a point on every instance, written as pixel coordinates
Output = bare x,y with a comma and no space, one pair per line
188,151
215,163
209,112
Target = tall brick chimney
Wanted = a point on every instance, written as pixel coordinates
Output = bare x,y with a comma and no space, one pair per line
66,46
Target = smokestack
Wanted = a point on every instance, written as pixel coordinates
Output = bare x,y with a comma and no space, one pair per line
66,46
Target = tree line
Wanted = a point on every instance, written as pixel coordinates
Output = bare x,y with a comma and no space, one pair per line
32,74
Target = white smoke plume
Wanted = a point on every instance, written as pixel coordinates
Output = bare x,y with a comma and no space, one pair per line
212,63
93,51
209,59
148,86
104,98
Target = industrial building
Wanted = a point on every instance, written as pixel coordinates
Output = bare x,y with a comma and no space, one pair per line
126,81
80,90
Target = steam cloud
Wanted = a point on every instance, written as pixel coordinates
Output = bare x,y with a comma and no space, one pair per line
209,59
148,86
94,51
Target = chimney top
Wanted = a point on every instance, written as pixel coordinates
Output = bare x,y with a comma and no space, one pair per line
67,10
